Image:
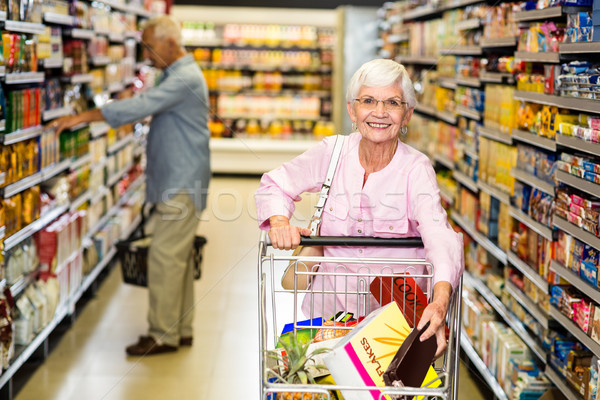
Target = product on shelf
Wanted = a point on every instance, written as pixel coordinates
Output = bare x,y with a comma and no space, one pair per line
535,250
49,44
499,21
501,108
579,79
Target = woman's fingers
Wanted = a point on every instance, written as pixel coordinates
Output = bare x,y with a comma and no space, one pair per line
285,237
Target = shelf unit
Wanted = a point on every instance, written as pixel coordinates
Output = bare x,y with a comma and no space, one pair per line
510,41
575,280
576,182
462,51
577,232
491,381
575,330
577,144
534,140
21,135
546,13
469,113
494,134
424,60
561,384
468,24
529,272
56,113
533,181
539,314
506,315
579,48
571,103
483,241
494,192
445,161
465,181
468,81
497,77
532,224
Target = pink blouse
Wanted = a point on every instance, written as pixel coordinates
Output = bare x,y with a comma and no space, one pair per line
401,200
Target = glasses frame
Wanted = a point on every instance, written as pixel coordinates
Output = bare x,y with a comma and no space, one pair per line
360,101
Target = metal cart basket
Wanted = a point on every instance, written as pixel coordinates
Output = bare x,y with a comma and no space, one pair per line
351,278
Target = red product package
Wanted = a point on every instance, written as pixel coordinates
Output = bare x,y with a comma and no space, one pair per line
405,292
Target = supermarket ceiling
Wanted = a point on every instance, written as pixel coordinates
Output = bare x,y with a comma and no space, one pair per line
327,4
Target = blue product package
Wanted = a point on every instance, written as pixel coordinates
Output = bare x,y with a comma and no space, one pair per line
589,273
314,322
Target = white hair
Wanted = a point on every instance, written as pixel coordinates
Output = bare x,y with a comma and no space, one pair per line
165,27
381,73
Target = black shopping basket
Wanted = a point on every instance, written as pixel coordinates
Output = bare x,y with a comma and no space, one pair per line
133,254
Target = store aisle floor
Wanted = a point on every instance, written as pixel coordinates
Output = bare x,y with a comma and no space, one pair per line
90,362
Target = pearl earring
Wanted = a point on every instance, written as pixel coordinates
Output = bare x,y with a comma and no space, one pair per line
354,126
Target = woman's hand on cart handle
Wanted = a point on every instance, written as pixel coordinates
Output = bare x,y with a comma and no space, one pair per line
283,235
435,314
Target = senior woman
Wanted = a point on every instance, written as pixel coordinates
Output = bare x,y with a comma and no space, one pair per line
382,187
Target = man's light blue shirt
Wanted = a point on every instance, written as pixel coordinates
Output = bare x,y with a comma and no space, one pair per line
177,151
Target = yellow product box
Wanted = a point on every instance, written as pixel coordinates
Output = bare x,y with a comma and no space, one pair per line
363,355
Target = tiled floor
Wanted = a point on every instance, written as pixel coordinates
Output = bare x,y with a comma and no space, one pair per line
90,362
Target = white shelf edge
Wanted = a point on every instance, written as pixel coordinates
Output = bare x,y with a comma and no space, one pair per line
77,163
35,226
119,144
482,368
81,78
575,280
467,112
79,201
21,135
575,330
578,144
56,113
465,181
531,223
53,63
468,81
512,321
486,243
445,161
24,27
579,183
532,275
494,192
532,308
86,34
532,181
19,78
23,184
494,134
533,139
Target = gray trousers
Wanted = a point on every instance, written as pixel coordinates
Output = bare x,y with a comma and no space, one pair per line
170,270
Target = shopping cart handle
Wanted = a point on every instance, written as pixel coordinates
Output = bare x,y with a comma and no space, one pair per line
361,241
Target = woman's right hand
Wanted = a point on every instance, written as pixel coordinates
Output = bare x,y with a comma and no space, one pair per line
283,235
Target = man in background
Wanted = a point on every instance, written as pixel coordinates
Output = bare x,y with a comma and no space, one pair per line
178,173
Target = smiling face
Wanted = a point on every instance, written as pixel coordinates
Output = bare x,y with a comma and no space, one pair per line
379,125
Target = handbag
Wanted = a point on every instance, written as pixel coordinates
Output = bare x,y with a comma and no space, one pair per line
303,281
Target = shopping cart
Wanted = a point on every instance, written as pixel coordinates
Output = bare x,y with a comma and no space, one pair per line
277,304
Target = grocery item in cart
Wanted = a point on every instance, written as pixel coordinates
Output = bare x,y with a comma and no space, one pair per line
364,354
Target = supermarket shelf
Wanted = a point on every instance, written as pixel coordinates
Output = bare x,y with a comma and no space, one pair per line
447,117
546,13
542,57
260,117
98,129
18,78
529,272
53,170
56,113
462,51
117,176
471,152
116,37
119,144
467,24
100,61
81,200
445,161
99,195
398,38
448,83
21,135
578,144
572,103
81,78
533,181
425,109
425,60
494,192
510,41
85,34
79,162
468,81
23,184
2,178
482,368
575,330
579,48
481,239
2,232
59,19
446,195
469,113
531,223
576,182
560,383
506,315
53,62
574,279
535,140
577,232
24,27
540,315
430,11
465,181
497,77
495,134
18,362
35,226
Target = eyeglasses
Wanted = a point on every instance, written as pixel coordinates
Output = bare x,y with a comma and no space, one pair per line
369,103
